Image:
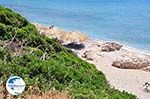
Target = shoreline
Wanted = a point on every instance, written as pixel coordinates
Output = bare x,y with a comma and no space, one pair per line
125,68
133,54
125,45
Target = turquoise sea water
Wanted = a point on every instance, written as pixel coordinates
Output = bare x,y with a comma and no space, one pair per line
126,21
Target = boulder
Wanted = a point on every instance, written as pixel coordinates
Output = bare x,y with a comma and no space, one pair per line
110,46
89,55
131,62
146,68
74,45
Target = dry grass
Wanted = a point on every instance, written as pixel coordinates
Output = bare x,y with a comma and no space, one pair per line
50,95
2,92
47,95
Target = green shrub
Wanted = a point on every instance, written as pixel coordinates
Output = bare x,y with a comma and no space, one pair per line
8,17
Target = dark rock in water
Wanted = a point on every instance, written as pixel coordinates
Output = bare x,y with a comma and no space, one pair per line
75,46
110,46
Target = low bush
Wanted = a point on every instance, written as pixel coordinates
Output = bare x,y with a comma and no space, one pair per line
8,17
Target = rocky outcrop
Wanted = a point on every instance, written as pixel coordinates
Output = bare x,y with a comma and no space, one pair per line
110,46
146,69
89,55
74,45
131,62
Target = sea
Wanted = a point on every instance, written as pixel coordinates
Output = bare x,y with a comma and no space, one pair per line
125,21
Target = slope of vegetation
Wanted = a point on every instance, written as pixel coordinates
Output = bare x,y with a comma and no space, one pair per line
45,64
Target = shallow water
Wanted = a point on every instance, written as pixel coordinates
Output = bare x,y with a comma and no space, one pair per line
126,21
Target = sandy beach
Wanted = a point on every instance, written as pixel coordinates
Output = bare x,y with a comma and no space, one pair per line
130,80
125,68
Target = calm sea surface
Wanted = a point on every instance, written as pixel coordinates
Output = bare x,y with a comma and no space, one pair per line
126,21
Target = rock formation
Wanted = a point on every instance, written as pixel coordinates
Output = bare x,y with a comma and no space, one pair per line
89,55
110,46
131,61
